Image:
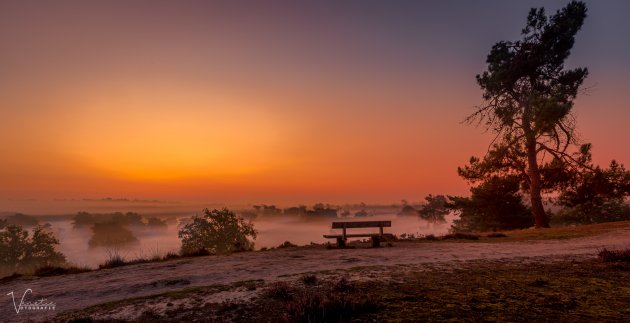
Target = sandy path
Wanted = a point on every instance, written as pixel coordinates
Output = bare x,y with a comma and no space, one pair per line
82,290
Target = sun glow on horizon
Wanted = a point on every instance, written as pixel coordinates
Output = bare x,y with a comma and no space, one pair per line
269,101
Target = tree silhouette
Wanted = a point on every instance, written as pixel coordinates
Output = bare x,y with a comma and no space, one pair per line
528,98
21,250
217,232
596,196
494,205
435,209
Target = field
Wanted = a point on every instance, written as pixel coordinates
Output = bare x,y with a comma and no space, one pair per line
530,275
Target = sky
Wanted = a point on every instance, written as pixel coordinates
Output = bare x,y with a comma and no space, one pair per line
270,101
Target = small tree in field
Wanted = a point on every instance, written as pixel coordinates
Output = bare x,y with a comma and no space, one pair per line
217,232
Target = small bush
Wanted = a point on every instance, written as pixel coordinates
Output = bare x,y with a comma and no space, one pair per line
387,237
496,235
430,237
10,277
540,282
309,279
280,290
343,285
114,260
56,271
171,255
196,253
615,255
287,244
309,306
407,236
461,236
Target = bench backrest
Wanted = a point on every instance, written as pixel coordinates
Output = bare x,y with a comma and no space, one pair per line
361,224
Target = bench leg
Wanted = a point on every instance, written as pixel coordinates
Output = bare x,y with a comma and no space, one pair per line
376,242
341,242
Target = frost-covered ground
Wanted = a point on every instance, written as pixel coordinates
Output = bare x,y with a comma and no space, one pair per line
81,290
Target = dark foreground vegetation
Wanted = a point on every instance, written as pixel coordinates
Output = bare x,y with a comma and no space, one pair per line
518,290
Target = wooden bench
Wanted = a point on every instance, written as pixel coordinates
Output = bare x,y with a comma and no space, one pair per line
343,237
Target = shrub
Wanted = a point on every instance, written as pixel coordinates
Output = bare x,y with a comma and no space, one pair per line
343,285
496,235
21,251
217,232
496,203
59,270
615,255
598,195
114,260
280,290
171,255
309,279
287,244
461,235
310,306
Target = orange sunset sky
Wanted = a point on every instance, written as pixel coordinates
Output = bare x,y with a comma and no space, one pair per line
270,101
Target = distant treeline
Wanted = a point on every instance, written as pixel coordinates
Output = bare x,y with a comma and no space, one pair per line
318,210
129,218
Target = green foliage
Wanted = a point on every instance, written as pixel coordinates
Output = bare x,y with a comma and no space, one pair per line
596,196
217,232
21,251
494,205
435,209
111,233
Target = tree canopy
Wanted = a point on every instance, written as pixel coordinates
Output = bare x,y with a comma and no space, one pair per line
217,232
23,251
494,205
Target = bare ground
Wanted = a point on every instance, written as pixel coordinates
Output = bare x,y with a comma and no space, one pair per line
72,292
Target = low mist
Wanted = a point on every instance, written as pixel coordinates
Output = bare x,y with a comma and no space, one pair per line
89,231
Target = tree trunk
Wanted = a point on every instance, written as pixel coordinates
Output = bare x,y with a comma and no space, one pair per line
533,172
538,210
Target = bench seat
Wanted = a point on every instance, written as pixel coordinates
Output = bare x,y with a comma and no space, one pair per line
353,235
344,226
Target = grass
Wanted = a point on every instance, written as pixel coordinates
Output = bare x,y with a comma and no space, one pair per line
556,233
521,291
57,270
461,236
86,314
562,233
